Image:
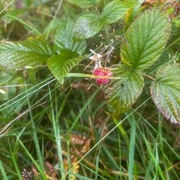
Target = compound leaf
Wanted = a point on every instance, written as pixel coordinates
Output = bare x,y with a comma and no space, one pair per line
145,40
123,92
165,92
15,55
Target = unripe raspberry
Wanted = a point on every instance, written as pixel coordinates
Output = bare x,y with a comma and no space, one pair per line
102,72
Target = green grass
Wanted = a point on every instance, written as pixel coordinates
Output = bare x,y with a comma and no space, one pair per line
39,119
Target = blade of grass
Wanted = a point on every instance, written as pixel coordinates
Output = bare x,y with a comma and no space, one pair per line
110,157
163,139
121,130
14,154
56,128
92,148
132,146
152,156
83,109
167,161
97,159
55,15
3,171
35,134
120,155
93,172
14,160
30,92
41,171
3,130
6,6
25,24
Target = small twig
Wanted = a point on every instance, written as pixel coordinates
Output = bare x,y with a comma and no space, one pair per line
150,77
2,132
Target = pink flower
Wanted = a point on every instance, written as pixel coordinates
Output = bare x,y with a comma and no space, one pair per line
102,72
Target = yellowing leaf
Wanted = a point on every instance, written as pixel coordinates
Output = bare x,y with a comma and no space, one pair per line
123,92
165,92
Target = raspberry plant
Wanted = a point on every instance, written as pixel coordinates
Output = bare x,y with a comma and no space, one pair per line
141,46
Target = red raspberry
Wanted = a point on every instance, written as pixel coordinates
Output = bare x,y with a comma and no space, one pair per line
102,72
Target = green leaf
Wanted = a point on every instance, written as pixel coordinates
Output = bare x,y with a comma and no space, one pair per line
88,25
28,3
165,92
65,39
116,10
145,40
15,55
60,65
84,3
123,92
